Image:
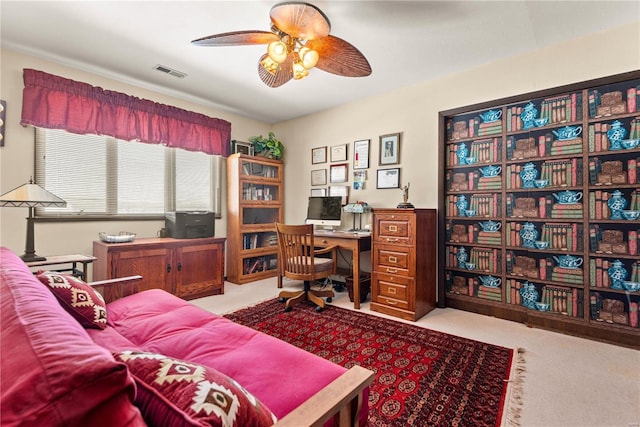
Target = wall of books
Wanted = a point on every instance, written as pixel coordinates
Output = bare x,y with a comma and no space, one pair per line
541,208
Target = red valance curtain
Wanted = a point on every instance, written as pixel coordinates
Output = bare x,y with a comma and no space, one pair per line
50,101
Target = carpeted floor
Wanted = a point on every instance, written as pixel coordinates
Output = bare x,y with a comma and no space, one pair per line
423,377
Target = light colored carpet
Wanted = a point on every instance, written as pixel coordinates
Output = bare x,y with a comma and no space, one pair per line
568,381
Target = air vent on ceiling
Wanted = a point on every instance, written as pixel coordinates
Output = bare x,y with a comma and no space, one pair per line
170,71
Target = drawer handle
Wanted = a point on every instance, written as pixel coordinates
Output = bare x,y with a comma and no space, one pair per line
392,291
393,259
392,302
393,228
392,270
324,241
392,240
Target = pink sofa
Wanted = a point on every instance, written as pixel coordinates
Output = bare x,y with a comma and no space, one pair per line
55,372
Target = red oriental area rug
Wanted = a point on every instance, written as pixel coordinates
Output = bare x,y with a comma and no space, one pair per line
423,377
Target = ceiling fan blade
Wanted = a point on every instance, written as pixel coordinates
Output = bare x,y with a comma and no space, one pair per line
283,74
236,38
340,57
300,20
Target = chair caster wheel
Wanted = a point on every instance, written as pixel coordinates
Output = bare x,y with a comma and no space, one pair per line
282,299
318,309
287,309
329,299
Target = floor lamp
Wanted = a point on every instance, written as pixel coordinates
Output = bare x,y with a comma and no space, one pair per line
32,196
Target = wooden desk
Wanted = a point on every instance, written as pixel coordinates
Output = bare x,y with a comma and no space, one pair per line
356,243
67,259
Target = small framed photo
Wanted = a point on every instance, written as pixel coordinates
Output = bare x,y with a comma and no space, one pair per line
318,192
359,178
338,173
390,149
319,177
318,155
339,153
361,154
242,147
340,190
388,178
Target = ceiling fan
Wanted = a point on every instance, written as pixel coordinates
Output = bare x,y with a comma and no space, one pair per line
298,41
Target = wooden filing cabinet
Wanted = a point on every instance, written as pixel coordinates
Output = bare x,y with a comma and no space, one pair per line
404,262
188,268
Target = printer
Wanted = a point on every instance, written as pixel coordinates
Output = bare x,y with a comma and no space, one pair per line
189,224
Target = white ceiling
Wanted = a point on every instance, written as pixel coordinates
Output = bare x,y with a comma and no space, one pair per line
406,42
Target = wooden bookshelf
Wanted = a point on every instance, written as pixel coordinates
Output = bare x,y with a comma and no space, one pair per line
495,209
255,202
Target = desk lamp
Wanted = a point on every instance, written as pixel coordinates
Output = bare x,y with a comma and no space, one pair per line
357,209
32,196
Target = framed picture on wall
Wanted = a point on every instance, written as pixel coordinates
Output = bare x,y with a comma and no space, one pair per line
361,154
318,192
318,155
388,178
340,190
319,177
338,173
390,149
339,153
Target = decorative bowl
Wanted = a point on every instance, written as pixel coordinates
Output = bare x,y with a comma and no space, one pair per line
540,244
542,306
470,160
631,286
630,144
122,237
470,212
631,215
541,183
469,266
541,121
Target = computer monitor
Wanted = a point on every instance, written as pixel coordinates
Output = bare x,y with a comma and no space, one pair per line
325,211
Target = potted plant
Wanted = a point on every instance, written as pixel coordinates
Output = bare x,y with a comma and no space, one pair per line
269,147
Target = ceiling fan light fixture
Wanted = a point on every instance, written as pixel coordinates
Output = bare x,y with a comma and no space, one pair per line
277,51
309,57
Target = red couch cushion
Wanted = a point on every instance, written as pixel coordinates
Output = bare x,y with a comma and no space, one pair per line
85,304
175,393
280,375
52,373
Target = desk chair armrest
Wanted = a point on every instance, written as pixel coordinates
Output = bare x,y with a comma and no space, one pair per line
113,289
341,400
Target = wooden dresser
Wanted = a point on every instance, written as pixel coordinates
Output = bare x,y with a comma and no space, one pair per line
404,276
188,268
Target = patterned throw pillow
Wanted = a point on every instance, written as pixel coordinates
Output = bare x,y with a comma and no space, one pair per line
84,303
175,393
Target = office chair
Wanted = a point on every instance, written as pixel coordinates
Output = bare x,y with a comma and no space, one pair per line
297,259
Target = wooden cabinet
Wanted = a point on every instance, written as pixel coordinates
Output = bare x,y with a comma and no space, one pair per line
188,268
404,275
533,194
255,202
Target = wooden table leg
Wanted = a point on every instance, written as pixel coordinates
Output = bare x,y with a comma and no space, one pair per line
356,277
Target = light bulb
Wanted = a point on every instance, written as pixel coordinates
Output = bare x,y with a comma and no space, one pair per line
269,64
309,57
299,72
277,51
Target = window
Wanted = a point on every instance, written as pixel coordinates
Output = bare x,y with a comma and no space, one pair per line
100,176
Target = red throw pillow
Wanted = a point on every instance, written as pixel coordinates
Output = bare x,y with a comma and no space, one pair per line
174,393
80,300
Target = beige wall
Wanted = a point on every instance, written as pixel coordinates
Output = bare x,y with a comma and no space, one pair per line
413,111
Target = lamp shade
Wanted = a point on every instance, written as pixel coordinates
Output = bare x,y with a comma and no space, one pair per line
31,195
